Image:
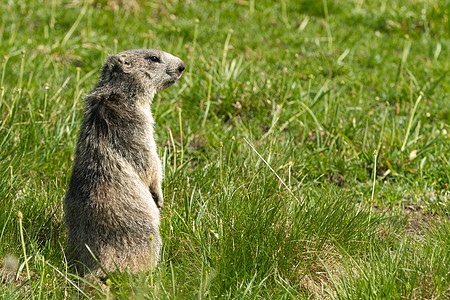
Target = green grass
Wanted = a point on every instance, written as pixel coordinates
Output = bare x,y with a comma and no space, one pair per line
271,142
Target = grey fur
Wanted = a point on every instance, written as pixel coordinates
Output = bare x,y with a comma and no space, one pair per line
114,198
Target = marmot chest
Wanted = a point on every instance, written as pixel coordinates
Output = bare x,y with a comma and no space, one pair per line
147,153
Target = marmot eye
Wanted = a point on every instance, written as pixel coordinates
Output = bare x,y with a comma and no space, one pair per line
154,58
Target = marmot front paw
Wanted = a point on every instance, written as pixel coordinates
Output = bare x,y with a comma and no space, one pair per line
158,198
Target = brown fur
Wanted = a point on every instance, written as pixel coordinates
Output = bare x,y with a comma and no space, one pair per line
114,199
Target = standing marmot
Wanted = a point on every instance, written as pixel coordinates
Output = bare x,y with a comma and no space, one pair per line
111,206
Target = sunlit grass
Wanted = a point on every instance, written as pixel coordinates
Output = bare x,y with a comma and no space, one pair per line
305,150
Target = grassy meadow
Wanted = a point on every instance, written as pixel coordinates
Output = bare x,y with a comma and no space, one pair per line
306,149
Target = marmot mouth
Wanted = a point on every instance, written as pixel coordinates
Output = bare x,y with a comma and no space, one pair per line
170,83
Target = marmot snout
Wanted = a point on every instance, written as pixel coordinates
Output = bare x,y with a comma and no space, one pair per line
114,197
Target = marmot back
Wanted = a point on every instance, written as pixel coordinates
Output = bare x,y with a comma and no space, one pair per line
114,198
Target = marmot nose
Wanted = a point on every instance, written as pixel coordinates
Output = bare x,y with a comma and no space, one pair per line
181,67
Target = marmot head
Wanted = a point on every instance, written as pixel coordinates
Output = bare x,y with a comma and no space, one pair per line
149,69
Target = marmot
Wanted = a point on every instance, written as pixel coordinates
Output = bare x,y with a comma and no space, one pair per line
112,207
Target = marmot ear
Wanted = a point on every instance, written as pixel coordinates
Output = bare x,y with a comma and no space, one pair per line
125,62
113,63
118,62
